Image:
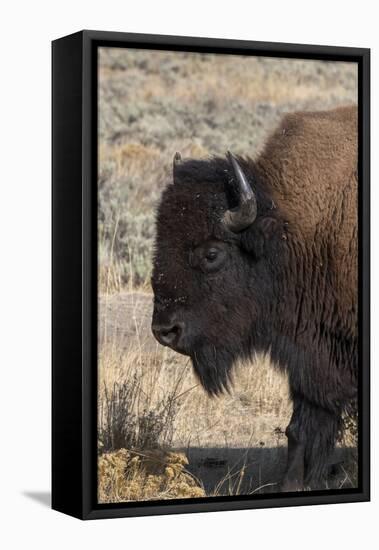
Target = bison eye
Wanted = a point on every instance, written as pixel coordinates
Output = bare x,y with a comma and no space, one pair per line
211,255
213,259
208,257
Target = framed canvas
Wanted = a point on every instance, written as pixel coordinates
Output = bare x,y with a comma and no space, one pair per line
210,275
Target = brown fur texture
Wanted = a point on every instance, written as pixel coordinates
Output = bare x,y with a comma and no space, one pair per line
286,285
311,163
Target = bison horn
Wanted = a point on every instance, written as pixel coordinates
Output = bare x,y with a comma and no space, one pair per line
237,219
177,160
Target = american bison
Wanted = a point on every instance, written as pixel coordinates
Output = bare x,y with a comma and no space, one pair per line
262,256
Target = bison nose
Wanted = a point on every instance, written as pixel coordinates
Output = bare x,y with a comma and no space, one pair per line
168,335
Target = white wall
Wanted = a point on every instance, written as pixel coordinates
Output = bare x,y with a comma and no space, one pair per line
27,28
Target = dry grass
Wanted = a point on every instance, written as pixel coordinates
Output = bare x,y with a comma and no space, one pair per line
138,383
150,475
229,78
139,398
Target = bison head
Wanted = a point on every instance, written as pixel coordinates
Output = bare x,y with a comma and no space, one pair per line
213,252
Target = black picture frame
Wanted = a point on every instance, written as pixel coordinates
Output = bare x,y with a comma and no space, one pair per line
74,272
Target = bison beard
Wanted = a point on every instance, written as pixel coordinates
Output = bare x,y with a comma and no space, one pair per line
213,367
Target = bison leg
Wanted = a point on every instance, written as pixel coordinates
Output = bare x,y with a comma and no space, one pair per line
294,476
323,428
312,434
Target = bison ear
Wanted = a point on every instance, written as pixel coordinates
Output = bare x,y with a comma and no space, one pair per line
256,239
176,163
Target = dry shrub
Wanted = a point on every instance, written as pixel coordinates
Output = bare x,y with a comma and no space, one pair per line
138,399
123,424
149,475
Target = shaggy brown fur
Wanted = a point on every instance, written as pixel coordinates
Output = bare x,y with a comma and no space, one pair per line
287,284
311,164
